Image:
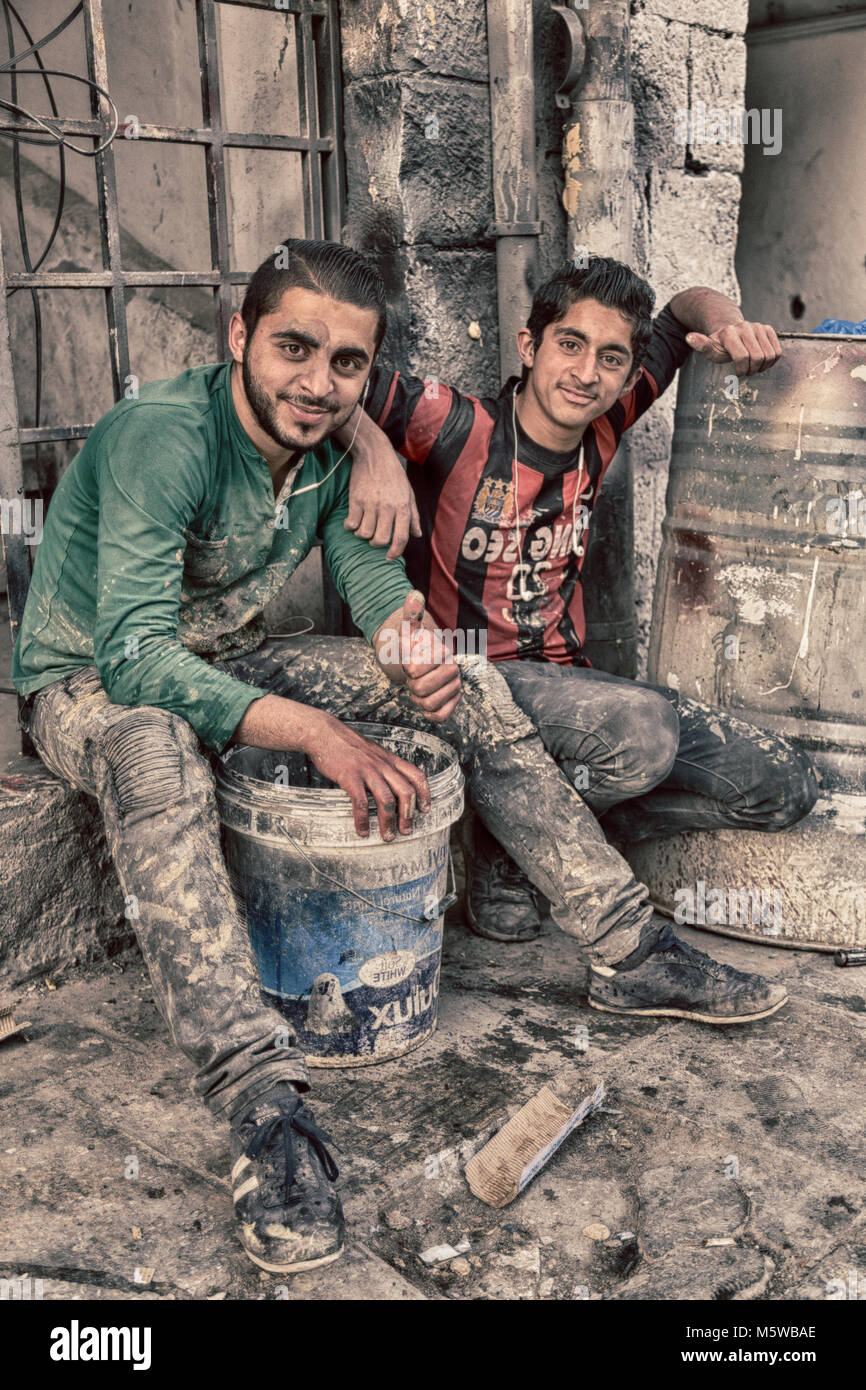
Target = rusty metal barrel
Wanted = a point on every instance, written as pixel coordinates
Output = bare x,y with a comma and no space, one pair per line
759,609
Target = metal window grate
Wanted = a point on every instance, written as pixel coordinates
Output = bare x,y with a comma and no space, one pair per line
318,82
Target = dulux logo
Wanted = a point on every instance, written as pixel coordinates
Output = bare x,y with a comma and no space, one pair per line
414,1004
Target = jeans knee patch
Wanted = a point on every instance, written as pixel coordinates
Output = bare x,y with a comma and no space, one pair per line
144,760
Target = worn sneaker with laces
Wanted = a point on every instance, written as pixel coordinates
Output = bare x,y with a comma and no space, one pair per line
290,1217
679,981
501,903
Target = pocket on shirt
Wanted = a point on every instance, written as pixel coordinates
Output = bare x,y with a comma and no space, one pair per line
226,559
205,562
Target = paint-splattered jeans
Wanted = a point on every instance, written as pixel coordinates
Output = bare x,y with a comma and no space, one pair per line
650,761
154,782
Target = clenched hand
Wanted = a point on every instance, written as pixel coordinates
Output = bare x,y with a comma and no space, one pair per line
432,675
751,347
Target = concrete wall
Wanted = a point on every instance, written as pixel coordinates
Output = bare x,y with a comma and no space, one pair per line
800,256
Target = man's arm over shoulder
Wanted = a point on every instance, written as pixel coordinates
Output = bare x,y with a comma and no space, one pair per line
368,581
426,423
153,477
412,412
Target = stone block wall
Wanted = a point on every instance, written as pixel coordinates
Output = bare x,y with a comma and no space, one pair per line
418,165
417,123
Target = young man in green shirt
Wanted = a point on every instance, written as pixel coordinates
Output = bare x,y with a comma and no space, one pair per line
143,650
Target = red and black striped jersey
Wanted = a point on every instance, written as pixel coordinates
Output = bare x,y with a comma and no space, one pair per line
460,451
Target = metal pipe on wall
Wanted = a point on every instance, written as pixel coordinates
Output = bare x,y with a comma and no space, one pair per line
515,195
598,161
598,135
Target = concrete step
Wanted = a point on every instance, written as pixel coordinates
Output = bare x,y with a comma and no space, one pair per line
60,899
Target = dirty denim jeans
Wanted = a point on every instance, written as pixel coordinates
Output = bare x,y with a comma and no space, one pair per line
154,782
649,761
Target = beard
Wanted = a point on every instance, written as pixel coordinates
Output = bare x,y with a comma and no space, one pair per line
265,410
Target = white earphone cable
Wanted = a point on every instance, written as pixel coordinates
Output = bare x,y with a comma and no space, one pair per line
311,487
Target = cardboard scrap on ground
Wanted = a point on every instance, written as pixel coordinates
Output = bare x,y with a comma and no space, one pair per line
8,1026
523,1146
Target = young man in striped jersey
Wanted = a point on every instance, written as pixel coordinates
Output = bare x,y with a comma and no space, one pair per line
504,490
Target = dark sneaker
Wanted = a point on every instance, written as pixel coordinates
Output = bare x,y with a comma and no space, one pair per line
501,903
290,1216
679,981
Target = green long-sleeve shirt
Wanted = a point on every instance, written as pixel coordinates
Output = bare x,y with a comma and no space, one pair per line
164,542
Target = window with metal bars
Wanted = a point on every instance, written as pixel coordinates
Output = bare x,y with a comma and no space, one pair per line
166,219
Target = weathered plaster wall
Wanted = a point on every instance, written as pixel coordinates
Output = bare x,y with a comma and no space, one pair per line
800,254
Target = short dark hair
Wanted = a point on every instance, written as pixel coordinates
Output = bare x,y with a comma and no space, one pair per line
323,266
611,283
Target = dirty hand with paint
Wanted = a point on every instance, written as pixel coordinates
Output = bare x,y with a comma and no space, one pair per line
359,766
427,667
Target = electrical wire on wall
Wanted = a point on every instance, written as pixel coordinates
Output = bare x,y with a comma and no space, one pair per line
53,137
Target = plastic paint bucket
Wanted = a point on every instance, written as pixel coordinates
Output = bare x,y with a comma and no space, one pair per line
347,932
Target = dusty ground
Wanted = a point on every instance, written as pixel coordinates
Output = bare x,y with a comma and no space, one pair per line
109,1165
753,1135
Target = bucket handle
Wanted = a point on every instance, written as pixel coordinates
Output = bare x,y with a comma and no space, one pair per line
435,909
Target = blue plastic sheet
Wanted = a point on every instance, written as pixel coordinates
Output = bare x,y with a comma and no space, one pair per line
842,326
